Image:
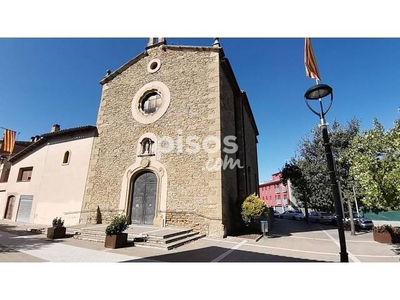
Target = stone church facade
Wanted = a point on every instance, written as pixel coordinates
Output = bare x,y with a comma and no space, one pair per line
176,144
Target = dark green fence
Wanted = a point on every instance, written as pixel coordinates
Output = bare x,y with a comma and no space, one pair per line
391,215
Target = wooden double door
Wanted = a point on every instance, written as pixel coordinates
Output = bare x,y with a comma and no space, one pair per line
143,198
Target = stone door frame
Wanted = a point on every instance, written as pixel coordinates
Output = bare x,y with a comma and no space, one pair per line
141,165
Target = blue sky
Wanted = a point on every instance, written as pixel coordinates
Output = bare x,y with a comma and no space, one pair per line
56,80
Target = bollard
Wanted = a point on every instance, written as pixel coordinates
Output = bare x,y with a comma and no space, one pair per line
264,227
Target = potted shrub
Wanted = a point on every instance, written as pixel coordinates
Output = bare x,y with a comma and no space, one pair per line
115,237
395,235
57,231
382,234
254,210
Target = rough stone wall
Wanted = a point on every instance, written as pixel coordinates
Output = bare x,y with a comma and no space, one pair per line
229,170
193,79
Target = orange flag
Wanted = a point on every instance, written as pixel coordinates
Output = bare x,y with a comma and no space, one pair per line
8,140
309,61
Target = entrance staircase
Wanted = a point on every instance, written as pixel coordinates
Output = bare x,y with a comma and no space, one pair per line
161,238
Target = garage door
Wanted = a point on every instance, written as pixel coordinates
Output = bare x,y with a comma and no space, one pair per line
24,208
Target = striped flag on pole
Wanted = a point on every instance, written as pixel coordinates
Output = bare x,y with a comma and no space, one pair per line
310,62
8,140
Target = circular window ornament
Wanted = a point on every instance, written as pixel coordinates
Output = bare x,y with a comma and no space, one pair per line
150,102
154,65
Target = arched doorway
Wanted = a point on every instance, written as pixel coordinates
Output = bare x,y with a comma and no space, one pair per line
143,198
9,208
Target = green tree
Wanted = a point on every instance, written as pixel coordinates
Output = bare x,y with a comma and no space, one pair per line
374,159
291,172
311,160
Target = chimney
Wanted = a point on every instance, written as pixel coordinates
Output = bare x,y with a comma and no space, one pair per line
55,128
216,43
151,42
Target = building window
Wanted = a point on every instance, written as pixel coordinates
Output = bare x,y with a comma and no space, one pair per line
154,65
151,102
25,174
67,155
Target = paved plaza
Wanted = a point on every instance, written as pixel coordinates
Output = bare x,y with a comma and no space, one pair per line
289,241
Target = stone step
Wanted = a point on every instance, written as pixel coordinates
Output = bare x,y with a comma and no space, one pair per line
98,233
171,245
73,230
169,235
158,240
165,242
89,238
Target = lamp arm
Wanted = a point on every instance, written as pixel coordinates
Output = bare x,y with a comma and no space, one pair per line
309,106
330,105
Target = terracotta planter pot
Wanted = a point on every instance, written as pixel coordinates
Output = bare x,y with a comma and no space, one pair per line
383,237
56,233
116,240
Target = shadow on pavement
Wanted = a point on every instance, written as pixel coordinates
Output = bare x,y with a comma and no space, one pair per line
208,254
283,227
396,249
15,239
18,230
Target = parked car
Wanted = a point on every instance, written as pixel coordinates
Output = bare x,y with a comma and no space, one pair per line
291,215
320,217
276,214
300,216
364,223
359,221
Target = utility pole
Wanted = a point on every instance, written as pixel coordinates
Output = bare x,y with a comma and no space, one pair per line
306,207
355,200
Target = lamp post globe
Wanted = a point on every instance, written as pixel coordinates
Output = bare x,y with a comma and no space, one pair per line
317,93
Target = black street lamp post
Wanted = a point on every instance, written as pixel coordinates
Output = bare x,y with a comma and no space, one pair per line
317,92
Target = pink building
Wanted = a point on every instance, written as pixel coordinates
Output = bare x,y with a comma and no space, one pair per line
275,194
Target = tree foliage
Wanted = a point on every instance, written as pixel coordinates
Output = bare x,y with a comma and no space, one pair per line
311,161
292,172
374,160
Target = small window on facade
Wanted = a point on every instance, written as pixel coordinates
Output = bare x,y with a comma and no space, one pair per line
67,155
25,174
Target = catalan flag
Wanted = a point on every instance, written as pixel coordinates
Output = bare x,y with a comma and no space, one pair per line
309,61
8,140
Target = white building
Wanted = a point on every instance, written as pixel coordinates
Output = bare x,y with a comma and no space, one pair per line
47,178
